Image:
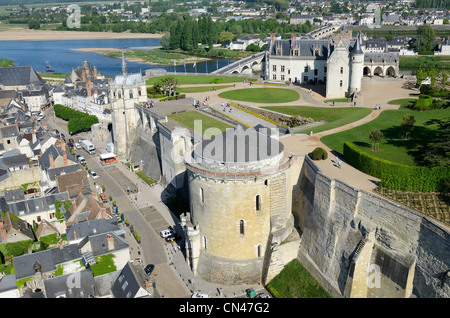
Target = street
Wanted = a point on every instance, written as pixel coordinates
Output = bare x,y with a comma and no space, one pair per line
116,179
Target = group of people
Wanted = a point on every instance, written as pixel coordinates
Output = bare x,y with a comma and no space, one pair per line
377,106
338,162
228,106
149,104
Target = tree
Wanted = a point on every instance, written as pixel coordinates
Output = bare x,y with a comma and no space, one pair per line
443,74
34,24
165,41
436,151
407,124
225,37
375,136
426,38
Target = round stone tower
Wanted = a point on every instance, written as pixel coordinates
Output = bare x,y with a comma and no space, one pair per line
240,204
356,67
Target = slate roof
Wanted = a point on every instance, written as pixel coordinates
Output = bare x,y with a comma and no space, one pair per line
58,287
15,161
89,228
20,76
134,276
307,47
37,204
378,57
128,80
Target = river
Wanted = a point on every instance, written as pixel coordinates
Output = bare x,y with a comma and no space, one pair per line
63,59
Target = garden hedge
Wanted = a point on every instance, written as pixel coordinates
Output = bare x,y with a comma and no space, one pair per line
396,176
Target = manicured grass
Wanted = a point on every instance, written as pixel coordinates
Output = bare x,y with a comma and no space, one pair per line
409,62
262,95
200,89
338,100
198,79
103,264
334,116
294,281
392,147
187,119
53,75
6,63
145,178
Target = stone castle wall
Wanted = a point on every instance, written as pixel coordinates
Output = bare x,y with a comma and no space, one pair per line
334,218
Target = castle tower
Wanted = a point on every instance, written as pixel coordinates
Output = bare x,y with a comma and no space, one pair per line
240,205
356,67
338,67
126,91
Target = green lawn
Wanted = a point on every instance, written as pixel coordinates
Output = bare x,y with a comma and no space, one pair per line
392,147
334,116
262,95
200,89
409,62
187,119
103,264
145,178
294,281
6,63
198,79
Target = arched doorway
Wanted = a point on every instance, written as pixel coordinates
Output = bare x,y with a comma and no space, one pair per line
390,72
366,71
378,71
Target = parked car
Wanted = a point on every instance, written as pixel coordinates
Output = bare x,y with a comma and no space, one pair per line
149,269
94,175
200,295
167,232
263,295
77,145
250,293
71,140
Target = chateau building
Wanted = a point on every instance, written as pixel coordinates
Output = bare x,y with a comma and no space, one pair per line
338,62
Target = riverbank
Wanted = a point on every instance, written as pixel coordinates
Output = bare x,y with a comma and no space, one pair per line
46,35
154,57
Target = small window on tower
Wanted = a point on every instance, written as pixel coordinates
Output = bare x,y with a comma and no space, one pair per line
241,227
258,203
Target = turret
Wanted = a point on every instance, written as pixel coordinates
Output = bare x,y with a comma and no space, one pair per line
356,67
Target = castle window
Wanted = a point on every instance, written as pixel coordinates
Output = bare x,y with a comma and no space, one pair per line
266,182
282,68
342,70
282,77
274,76
241,227
306,68
204,242
325,69
274,68
202,199
259,250
340,83
296,52
258,203
316,72
305,79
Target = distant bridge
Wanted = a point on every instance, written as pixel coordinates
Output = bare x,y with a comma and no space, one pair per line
242,66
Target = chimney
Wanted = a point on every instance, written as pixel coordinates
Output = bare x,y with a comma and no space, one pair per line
79,88
293,36
52,162
95,71
33,136
65,158
90,84
148,284
74,234
110,242
272,39
89,92
84,76
87,72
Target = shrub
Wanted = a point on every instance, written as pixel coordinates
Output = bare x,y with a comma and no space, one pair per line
319,154
424,102
396,176
216,81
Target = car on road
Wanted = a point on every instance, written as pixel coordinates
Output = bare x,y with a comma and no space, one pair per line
81,159
149,269
167,232
94,175
263,295
71,140
77,145
200,295
250,293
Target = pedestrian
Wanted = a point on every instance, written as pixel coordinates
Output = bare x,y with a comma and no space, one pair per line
340,163
311,132
336,160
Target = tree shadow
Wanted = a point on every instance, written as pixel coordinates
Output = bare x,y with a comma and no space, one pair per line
362,144
418,137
